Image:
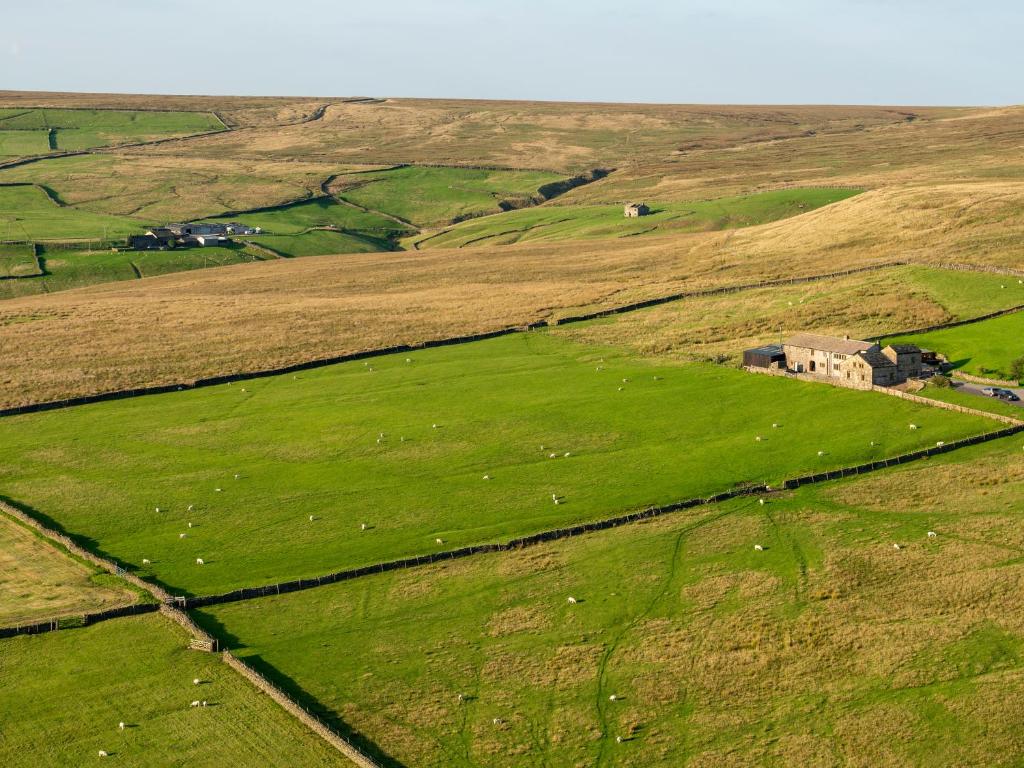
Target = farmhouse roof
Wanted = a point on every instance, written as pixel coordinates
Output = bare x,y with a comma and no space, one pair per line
829,343
876,359
904,349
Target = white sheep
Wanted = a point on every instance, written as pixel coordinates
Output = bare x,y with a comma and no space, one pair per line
158,510
775,426
940,443
218,490
433,426
487,477
311,518
439,541
613,697
145,561
182,535
190,525
821,453
567,454
196,681
620,389
625,381
552,455
758,439
103,753
194,703
896,546
199,561
461,697
618,739
237,476
190,506
497,721
761,502
913,426
362,526
408,359
932,534
557,502
571,601
758,548
204,703
120,726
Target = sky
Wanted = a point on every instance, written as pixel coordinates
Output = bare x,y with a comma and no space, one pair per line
906,52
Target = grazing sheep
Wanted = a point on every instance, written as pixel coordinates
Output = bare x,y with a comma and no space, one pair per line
932,534
554,496
618,739
896,546
362,526
497,721
145,561
620,389
487,477
761,502
311,518
204,703
940,444
196,681
821,453
401,439
158,510
553,455
625,381
913,426
758,439
571,601
199,561
103,753
567,454
872,443
194,704
613,697
758,548
237,476
120,726
408,359
218,490
190,525
433,426
190,506
461,697
182,535
439,541
775,426
557,502
378,441
243,389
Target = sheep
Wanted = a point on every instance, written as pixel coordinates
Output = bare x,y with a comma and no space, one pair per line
557,502
433,426
613,697
462,697
194,703
158,510
103,753
821,453
913,426
940,443
362,526
774,425
182,535
311,518
554,496
243,389
487,477
204,703
218,490
757,439
196,681
761,502
408,359
378,441
439,541
190,507
625,381
872,443
401,439
497,721
932,534
618,739
237,475
571,601
120,726
145,561
620,389
552,456
897,546
758,548
199,561
190,524
381,435
567,454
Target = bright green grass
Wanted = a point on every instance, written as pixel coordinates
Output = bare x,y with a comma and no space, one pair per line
322,212
86,128
964,294
64,694
20,143
987,348
17,260
320,242
827,640
67,269
308,444
555,222
26,213
430,195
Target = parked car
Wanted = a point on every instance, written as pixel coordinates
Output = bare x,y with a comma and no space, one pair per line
1007,394
990,391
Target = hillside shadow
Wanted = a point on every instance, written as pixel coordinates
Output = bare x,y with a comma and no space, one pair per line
959,363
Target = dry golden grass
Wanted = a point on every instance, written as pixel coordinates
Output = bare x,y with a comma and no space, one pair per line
37,582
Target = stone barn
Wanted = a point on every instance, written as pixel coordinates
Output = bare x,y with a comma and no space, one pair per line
907,358
872,368
633,210
822,355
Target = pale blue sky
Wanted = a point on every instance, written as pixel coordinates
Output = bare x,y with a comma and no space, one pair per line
690,51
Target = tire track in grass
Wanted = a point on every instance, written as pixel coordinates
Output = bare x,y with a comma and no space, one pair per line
601,699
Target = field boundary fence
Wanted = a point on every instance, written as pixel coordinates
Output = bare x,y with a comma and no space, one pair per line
75,621
417,346
954,323
983,380
299,712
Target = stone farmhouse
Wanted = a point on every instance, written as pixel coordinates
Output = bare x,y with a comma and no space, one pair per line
187,235
850,361
633,210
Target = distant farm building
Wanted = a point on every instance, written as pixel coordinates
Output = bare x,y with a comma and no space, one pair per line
633,210
189,235
850,361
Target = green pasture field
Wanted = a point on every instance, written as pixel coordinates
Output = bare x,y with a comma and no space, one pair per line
321,212
65,693
558,222
78,129
829,647
439,195
991,404
26,213
319,241
66,268
987,348
20,143
17,260
256,459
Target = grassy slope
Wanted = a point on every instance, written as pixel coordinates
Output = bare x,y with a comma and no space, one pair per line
17,260
308,444
322,212
987,348
563,222
863,305
66,692
991,404
73,269
27,214
320,242
38,582
827,648
18,143
430,195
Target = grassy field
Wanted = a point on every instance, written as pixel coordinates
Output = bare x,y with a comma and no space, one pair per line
321,212
284,448
39,582
66,692
77,129
19,143
66,269
829,647
954,395
26,213
320,242
18,260
988,348
563,222
864,305
432,195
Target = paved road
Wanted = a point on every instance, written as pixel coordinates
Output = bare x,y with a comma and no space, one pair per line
975,389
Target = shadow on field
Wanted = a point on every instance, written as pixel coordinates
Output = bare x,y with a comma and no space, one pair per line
86,543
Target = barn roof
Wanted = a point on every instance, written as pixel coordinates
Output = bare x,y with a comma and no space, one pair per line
904,349
829,343
876,359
